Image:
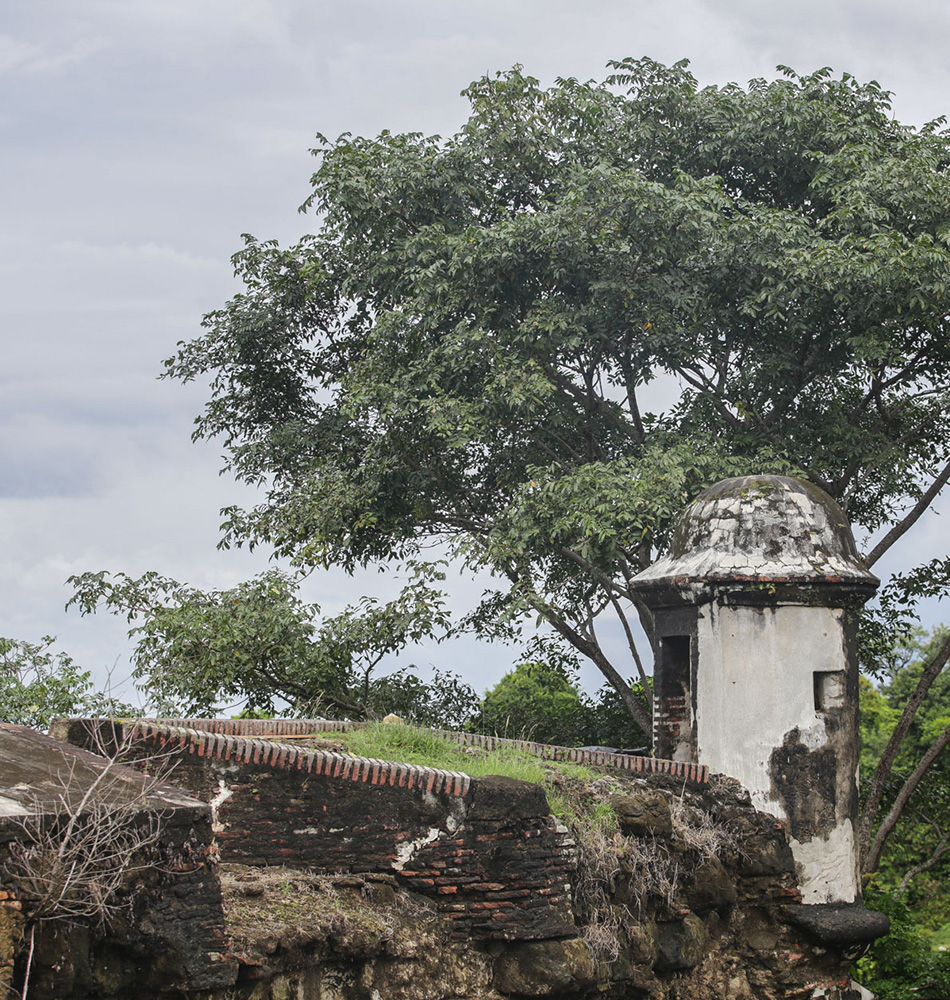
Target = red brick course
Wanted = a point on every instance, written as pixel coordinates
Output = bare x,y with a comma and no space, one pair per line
484,848
273,729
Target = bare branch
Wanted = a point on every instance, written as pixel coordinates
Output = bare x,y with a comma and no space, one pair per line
903,796
943,845
909,519
76,865
631,643
609,585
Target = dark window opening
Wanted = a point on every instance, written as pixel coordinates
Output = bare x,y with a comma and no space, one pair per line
674,722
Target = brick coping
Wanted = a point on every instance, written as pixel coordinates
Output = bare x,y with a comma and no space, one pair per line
222,745
269,733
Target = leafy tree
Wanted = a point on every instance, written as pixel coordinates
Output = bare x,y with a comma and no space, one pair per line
443,702
259,643
609,721
460,352
535,701
913,860
901,964
38,685
541,701
912,755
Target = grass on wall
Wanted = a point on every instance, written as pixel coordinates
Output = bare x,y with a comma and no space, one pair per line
567,786
409,745
579,797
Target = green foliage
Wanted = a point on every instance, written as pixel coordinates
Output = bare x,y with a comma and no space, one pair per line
410,745
38,685
902,963
877,721
940,939
443,701
460,352
535,701
540,701
259,644
890,626
924,834
609,722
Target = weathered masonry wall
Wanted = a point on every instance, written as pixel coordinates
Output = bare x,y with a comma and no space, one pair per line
438,886
755,608
788,764
175,940
487,850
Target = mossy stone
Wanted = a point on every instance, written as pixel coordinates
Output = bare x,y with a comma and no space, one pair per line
682,944
646,812
537,968
712,888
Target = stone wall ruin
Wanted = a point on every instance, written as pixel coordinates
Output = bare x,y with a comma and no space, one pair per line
429,884
351,879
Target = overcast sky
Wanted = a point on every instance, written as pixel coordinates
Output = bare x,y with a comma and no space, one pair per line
142,137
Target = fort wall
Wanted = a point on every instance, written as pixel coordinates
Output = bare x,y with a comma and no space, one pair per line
347,878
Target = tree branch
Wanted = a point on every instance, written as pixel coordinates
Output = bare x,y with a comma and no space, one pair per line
943,845
894,744
583,645
596,654
631,643
909,519
907,790
634,407
609,585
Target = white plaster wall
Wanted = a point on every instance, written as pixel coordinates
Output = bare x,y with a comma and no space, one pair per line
826,866
755,683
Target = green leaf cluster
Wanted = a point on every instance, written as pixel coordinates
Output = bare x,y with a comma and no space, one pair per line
926,821
259,646
541,701
38,685
902,963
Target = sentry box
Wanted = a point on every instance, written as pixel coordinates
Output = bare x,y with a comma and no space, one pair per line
756,673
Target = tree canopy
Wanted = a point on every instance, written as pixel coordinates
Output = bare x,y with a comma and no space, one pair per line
461,350
260,647
540,700
533,343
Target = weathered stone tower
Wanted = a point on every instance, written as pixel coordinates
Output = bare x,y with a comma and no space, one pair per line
756,674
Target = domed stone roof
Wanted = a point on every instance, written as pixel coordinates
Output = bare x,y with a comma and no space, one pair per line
760,528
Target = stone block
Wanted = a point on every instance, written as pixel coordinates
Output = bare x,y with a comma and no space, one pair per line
497,798
682,944
712,888
645,812
540,968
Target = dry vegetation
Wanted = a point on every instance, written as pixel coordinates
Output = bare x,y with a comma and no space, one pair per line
75,863
274,911
648,871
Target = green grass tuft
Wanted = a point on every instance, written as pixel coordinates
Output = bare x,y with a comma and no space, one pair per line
410,745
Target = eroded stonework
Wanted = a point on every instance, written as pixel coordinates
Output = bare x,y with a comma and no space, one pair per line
761,528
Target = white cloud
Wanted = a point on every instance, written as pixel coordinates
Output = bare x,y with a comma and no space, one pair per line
17,56
148,254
